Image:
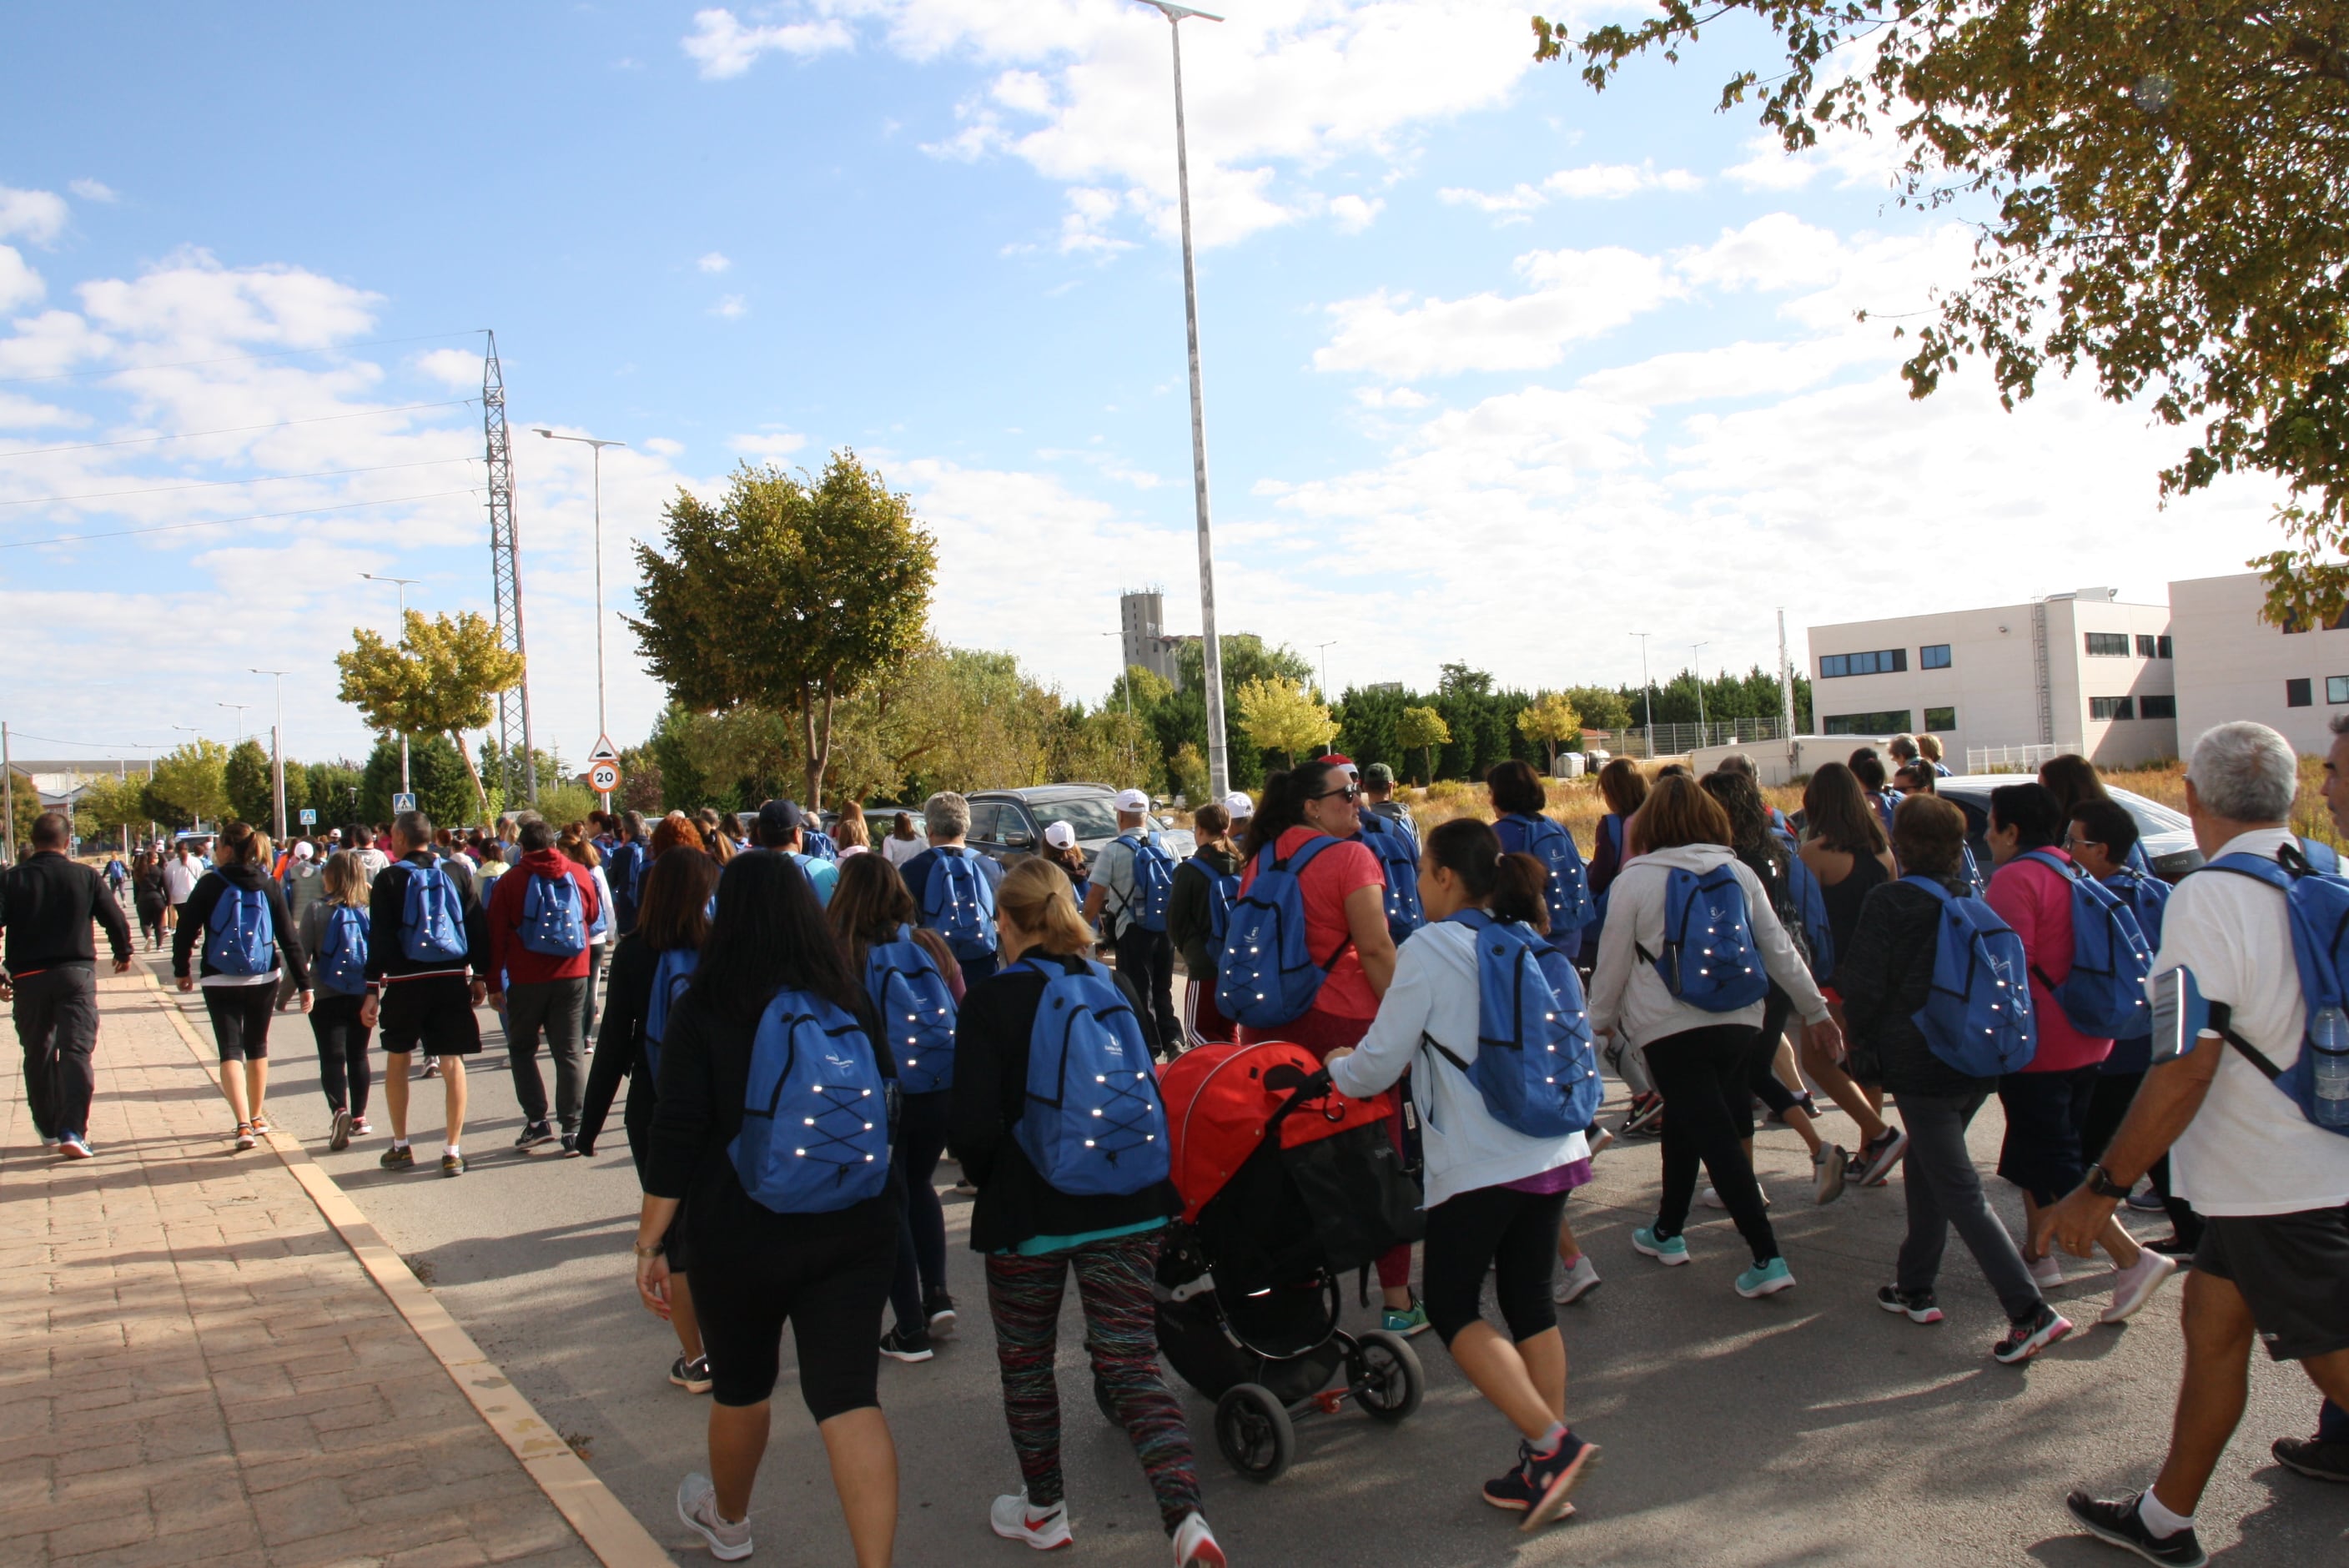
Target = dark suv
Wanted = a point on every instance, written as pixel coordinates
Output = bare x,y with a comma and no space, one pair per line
1007,823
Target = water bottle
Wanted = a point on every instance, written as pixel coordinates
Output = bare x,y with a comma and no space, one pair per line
2328,1036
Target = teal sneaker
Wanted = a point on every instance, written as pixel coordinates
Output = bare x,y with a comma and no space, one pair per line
1669,1251
1409,1322
1766,1279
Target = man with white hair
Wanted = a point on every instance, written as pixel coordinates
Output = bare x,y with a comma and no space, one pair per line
1125,872
2271,1182
954,887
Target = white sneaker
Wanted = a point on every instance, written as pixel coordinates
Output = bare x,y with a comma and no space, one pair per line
1579,1281
696,1505
1043,1529
2046,1271
2133,1286
1711,1198
1194,1544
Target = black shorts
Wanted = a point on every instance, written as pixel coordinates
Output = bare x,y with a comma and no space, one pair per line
240,1016
830,1291
1514,1232
434,1014
2046,1114
2293,1273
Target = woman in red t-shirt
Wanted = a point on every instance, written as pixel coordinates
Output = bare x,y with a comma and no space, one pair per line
1344,889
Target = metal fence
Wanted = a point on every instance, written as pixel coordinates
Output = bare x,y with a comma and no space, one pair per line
2007,758
1680,739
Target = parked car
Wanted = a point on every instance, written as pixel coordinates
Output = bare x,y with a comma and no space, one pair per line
2166,835
1006,824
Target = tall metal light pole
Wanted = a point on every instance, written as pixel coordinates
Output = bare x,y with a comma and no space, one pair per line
403,584
1695,650
602,732
1219,770
239,707
1325,648
277,750
1648,688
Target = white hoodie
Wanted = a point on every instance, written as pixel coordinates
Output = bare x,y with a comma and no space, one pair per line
1629,998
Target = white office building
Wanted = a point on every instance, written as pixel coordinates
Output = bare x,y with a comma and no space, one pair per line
2073,672
2232,664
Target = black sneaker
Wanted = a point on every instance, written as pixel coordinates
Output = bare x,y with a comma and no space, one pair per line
1512,1491
1647,1111
2313,1458
1918,1304
1551,1476
2118,1524
399,1157
338,1132
692,1376
939,1308
534,1133
1878,1155
2172,1247
570,1146
2027,1338
904,1344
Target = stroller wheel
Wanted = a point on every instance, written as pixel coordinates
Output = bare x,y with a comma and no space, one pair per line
1254,1430
1386,1378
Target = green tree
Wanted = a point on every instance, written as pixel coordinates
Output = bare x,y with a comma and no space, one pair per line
111,804
1245,657
440,679
1422,730
251,797
790,594
1551,719
191,783
1600,709
446,789
2167,201
1187,772
1366,724
329,786
1281,716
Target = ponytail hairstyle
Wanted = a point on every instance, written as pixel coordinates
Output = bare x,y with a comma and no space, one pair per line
1212,824
1042,901
1513,887
1283,806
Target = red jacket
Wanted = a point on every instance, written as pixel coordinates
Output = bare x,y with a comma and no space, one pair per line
519,965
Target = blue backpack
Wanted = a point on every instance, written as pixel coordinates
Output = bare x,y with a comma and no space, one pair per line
2322,857
551,921
671,974
2104,995
958,903
1399,863
343,951
1977,1014
1611,830
1535,1067
1223,891
432,920
1269,976
1568,893
2318,905
637,860
916,1007
240,937
815,1123
1811,901
2148,898
1154,881
1709,959
1091,1124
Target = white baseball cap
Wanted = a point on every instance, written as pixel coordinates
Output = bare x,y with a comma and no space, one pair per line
1239,804
1060,836
1132,800
302,850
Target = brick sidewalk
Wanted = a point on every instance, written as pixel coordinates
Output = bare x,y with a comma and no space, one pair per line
195,1367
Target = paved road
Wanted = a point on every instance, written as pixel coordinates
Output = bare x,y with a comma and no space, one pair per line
1809,1428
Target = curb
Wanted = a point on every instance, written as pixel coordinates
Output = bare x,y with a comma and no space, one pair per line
601,1521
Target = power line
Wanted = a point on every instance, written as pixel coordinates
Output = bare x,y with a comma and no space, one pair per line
90,745
256,480
228,358
220,521
235,429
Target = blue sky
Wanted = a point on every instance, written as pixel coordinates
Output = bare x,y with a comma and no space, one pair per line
1498,369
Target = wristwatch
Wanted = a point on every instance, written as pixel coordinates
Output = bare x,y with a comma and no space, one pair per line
652,1251
2100,1182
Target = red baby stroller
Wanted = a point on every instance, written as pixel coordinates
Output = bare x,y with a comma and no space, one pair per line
1281,1195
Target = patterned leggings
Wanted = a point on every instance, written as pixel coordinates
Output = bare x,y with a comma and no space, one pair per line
1114,1284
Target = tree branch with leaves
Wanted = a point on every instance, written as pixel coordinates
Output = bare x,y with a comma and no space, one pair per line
441,678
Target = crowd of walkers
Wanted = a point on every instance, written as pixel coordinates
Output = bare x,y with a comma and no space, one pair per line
807,1023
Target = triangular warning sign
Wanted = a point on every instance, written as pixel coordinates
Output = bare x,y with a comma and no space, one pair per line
603,750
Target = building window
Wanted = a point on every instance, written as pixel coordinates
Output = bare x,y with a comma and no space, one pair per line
1934,656
2296,694
2144,645
1941,719
2111,708
2161,646
2152,706
2337,689
1884,662
1892,721
2108,645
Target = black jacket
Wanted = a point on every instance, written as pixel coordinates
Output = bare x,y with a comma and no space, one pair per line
1883,976
48,901
990,1092
387,956
620,1049
1188,906
195,916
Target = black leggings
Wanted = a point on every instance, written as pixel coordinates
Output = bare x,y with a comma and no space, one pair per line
241,1019
342,1050
1703,1076
828,1290
922,1229
1517,1232
1761,1066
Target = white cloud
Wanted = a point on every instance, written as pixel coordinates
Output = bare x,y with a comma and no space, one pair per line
20,285
93,190
190,298
1576,294
36,215
723,47
458,369
1389,398
662,446
778,444
715,262
1853,158
730,306
1355,213
1605,182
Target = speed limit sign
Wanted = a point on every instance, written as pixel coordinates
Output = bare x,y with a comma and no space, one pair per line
603,777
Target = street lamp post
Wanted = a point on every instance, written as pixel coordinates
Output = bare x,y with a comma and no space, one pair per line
239,707
403,584
277,750
603,731
1325,648
1695,651
1648,690
1219,779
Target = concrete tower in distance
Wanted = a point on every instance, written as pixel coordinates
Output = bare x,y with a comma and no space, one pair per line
1142,622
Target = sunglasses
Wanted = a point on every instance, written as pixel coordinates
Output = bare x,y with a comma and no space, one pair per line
1350,792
